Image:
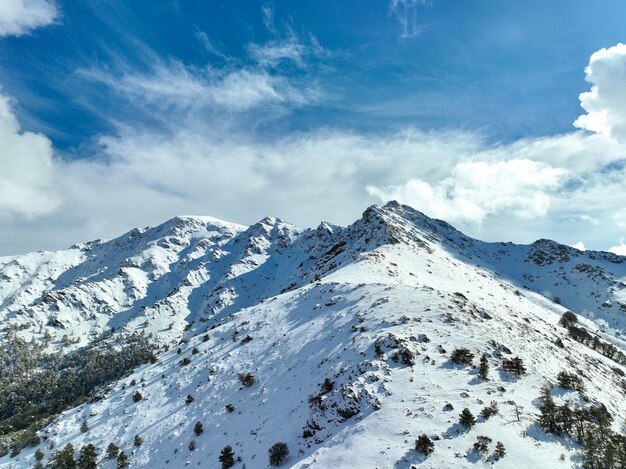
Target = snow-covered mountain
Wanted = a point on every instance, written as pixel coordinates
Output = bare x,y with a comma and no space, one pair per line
347,334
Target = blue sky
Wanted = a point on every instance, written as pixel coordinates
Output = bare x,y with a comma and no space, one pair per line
124,113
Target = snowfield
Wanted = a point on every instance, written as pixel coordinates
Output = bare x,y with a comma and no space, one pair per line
347,333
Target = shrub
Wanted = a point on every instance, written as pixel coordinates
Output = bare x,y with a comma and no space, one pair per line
84,426
205,338
230,408
227,457
112,451
197,429
192,445
185,361
482,444
246,379
137,396
568,319
500,451
514,366
278,453
424,445
122,460
246,339
570,381
327,386
189,399
461,356
195,351
137,441
467,419
489,411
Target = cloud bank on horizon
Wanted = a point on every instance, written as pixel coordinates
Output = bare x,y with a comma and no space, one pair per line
192,147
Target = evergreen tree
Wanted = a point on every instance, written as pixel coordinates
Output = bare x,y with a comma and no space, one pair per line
87,457
482,444
483,368
500,451
424,445
137,396
227,457
514,366
461,356
112,451
84,426
64,459
122,460
138,441
466,418
548,420
197,429
278,453
189,399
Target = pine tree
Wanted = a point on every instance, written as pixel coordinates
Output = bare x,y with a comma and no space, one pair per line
424,445
500,451
548,419
197,429
138,441
483,368
482,444
278,453
137,396
112,451
227,457
84,426
466,418
64,459
87,457
122,460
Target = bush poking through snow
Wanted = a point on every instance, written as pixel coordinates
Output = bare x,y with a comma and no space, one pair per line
192,445
461,356
424,445
227,457
197,429
482,444
230,408
567,380
122,460
514,366
278,453
137,441
327,386
489,411
112,451
246,379
137,396
189,399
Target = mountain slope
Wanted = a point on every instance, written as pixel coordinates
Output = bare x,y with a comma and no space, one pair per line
375,308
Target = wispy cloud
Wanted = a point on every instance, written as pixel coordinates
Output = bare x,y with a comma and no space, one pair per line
18,17
407,14
208,44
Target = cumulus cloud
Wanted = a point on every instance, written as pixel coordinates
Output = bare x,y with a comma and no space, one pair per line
619,249
478,189
579,245
18,17
27,170
605,103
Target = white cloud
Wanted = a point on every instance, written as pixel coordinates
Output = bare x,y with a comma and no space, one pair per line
208,44
579,245
620,249
406,11
606,102
27,170
182,88
18,17
475,190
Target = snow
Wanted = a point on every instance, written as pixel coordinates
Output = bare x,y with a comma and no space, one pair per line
315,302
